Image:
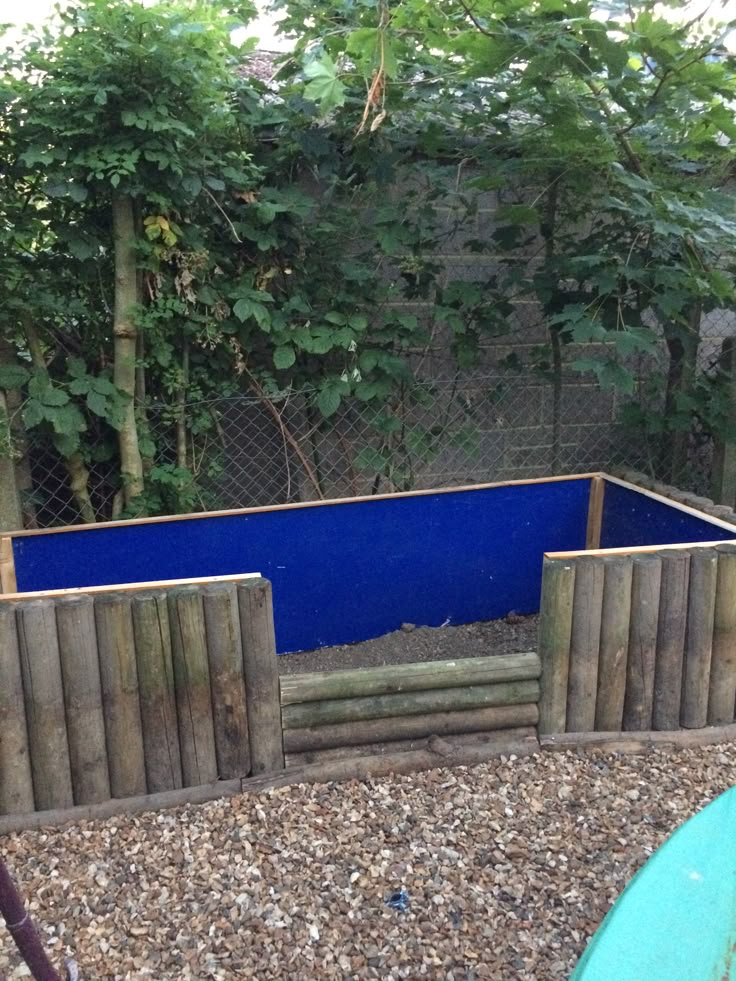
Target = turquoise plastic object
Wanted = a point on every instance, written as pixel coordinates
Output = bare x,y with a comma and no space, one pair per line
676,920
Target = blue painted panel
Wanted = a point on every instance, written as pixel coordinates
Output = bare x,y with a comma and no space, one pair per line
631,518
345,572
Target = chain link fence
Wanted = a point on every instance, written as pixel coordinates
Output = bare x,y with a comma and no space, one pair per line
248,451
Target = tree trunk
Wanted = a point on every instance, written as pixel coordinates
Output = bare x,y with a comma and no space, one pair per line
125,343
682,345
13,450
181,412
11,515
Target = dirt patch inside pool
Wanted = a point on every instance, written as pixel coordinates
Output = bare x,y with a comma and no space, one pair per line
512,635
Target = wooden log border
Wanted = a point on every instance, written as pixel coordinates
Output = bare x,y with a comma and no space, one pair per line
111,692
379,711
659,643
477,709
514,743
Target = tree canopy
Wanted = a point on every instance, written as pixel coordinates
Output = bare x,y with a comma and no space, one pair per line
173,229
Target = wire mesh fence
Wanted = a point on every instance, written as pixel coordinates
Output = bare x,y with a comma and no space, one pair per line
248,451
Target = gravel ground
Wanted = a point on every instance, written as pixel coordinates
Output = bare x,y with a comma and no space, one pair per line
509,867
512,635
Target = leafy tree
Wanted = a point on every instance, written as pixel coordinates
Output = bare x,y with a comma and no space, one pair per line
609,142
176,231
114,121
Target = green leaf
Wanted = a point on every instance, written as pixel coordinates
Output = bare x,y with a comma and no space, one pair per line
324,87
328,400
610,374
359,321
284,356
192,185
372,459
32,413
81,249
66,419
66,443
321,341
80,386
39,387
243,309
13,376
97,403
215,183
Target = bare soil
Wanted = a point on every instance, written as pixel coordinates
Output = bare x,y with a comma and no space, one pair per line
513,635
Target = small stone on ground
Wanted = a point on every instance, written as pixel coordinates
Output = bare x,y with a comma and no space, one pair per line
509,867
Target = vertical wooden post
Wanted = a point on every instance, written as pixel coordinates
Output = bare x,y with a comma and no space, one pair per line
645,586
671,634
16,782
85,724
699,644
261,676
582,686
614,644
192,679
225,652
119,678
44,700
723,486
595,513
156,691
722,693
8,582
555,631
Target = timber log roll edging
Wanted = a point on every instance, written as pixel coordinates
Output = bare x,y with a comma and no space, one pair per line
128,692
377,711
638,642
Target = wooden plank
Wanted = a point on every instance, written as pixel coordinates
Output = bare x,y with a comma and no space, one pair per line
585,635
44,703
263,702
85,724
555,631
410,727
119,678
723,479
614,642
8,582
641,662
671,634
616,742
699,644
192,683
722,694
225,653
389,707
16,781
637,549
360,768
390,679
441,746
511,742
125,587
157,691
595,513
200,515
